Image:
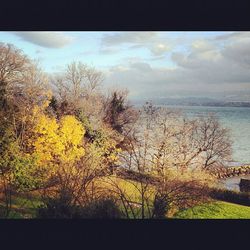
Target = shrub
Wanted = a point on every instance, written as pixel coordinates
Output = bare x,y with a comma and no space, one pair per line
58,207
61,207
242,198
160,207
101,209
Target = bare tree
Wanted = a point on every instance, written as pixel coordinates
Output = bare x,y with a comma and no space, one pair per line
22,82
214,142
78,82
171,149
190,143
77,92
13,63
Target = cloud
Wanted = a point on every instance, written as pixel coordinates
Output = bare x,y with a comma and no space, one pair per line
152,41
127,37
118,68
202,45
107,51
45,39
233,36
229,63
207,67
197,65
159,49
141,66
157,58
239,51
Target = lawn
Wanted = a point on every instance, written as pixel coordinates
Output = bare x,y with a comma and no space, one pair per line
215,210
26,206
22,207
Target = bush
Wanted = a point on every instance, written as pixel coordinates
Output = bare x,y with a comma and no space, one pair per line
242,198
62,208
160,207
59,207
101,209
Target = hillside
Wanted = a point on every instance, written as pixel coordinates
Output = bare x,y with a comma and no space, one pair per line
215,210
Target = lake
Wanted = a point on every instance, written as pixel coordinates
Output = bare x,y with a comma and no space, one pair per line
237,119
233,182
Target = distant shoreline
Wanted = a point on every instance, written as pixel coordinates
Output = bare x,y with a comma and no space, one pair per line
236,164
247,105
193,104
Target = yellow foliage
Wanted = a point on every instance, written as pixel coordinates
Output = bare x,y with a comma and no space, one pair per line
56,142
71,134
105,147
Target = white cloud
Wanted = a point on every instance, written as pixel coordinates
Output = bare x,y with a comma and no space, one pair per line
127,37
152,41
202,45
141,67
45,39
207,67
232,36
160,49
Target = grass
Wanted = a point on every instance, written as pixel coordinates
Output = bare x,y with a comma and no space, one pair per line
215,210
26,206
23,207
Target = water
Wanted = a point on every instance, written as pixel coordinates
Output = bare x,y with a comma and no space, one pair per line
233,182
237,119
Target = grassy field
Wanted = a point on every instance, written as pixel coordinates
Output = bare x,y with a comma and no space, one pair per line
25,207
22,207
215,210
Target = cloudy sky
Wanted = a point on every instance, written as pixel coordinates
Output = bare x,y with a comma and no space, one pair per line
150,64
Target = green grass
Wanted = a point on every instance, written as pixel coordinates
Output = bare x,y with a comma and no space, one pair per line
22,207
215,210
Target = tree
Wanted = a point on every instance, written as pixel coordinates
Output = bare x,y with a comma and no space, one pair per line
165,147
55,144
188,143
21,87
118,113
214,142
78,84
19,172
12,66
54,141
100,155
8,155
20,78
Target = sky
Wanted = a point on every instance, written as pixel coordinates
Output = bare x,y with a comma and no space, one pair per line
150,64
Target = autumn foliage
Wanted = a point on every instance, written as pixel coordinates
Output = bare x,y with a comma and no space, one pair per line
61,136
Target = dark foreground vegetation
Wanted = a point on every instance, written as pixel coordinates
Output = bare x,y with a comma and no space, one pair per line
64,139
242,198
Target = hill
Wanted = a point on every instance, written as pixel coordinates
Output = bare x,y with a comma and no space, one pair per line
215,210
